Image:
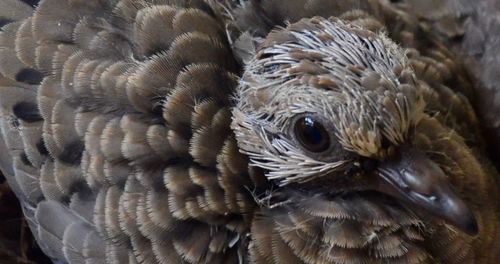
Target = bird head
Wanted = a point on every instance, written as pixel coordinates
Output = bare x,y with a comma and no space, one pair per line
329,109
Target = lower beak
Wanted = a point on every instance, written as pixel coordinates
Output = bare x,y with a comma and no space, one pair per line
418,181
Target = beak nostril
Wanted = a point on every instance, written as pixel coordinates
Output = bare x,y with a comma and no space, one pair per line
472,227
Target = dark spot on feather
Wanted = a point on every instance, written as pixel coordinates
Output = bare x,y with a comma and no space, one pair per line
72,153
32,3
206,8
29,76
82,189
27,112
2,178
40,199
158,184
66,200
181,228
4,21
157,109
25,160
66,42
40,146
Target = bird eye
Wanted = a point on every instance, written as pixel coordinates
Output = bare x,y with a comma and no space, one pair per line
311,134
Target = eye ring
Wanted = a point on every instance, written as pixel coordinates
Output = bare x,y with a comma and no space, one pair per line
311,134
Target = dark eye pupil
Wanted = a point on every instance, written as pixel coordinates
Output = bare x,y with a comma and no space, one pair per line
311,134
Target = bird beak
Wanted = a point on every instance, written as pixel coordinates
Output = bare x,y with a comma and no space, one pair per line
418,181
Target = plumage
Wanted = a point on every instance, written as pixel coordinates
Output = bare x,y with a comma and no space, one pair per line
321,131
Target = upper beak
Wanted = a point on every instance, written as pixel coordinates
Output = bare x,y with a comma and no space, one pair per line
415,179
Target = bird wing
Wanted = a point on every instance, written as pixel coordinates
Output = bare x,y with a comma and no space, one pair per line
114,116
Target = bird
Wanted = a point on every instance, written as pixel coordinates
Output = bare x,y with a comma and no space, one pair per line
259,131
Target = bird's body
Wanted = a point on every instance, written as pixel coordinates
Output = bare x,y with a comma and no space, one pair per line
159,131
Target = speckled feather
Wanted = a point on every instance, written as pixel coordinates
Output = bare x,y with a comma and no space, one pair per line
124,137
